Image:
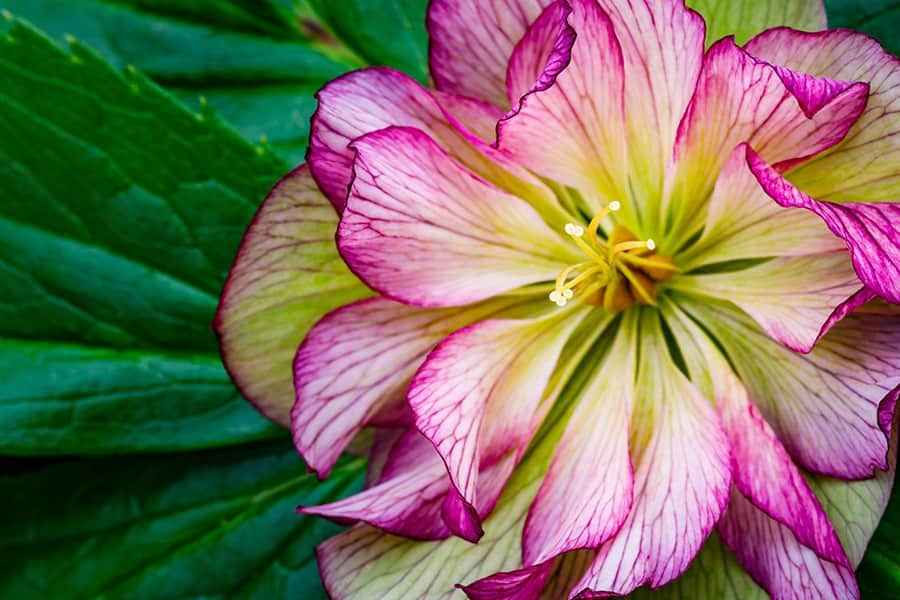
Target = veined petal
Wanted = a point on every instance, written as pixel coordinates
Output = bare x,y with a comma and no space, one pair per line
863,167
775,558
421,229
274,290
371,99
785,116
587,493
856,507
746,18
480,395
715,573
662,47
524,584
568,118
792,298
742,222
871,231
824,406
355,365
407,501
471,43
682,478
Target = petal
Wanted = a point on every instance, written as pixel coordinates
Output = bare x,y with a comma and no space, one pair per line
746,18
524,584
594,453
871,231
405,502
471,43
569,126
856,507
662,47
784,115
824,406
742,223
764,472
863,168
421,229
714,574
792,298
776,559
682,478
372,99
355,365
287,274
480,395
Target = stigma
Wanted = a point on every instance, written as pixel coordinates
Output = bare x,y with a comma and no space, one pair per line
618,272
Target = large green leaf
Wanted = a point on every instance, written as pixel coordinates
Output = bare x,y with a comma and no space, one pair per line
122,211
878,18
205,524
879,573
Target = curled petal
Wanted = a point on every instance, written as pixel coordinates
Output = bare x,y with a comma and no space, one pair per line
421,229
871,231
471,44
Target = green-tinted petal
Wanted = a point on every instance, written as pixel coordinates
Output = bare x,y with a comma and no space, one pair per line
746,18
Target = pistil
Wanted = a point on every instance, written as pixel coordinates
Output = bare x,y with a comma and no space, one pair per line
621,271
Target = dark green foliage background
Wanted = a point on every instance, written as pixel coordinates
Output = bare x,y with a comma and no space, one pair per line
134,148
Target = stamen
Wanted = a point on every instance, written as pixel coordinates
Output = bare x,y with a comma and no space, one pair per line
624,246
574,230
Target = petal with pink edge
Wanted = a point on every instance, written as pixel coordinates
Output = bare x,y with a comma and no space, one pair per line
354,366
286,275
421,229
824,406
371,99
746,18
793,298
471,44
784,115
863,167
587,493
568,118
662,47
480,395
742,222
682,478
871,231
774,557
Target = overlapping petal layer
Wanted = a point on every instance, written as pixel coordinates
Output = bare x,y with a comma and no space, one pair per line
421,229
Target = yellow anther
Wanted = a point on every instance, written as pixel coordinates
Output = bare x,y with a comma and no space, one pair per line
624,246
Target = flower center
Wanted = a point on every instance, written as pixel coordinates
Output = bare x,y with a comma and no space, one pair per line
621,271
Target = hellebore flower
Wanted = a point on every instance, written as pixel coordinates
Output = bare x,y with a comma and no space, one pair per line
633,322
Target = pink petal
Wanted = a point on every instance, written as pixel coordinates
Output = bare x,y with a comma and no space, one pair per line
681,482
524,584
471,43
764,472
824,406
478,397
742,222
287,274
871,231
570,122
662,47
421,229
587,493
372,99
863,167
775,558
784,115
407,501
354,367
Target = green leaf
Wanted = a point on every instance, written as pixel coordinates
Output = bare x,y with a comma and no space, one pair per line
879,573
383,32
122,211
204,524
878,18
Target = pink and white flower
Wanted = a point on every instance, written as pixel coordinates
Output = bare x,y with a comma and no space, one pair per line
703,405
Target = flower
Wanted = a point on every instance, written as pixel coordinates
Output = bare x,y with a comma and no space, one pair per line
633,319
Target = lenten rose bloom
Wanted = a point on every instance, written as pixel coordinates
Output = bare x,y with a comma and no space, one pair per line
633,327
